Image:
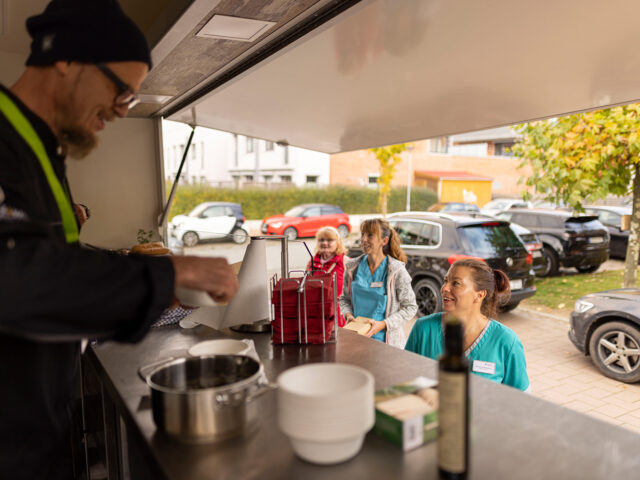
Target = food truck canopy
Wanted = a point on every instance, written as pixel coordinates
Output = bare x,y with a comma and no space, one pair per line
342,75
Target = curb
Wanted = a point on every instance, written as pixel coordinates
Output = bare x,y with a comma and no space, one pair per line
544,314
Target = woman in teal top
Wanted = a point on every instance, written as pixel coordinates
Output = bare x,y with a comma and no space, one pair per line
472,291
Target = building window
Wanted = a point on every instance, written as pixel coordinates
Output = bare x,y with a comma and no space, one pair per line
268,146
313,179
193,151
268,178
203,179
202,154
438,145
285,178
249,145
248,178
194,179
373,180
504,149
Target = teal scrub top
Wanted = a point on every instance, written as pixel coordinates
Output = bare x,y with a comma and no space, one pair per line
369,293
497,354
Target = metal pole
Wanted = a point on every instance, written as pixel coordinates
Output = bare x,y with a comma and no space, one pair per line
409,175
165,212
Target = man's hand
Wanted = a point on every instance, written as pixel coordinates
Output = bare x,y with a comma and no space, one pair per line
376,327
82,212
348,317
213,275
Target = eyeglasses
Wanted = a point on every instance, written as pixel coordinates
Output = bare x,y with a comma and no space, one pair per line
125,95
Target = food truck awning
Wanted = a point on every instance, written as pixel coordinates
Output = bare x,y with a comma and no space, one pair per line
342,75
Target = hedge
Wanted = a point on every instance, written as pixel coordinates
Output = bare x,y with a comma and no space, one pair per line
259,203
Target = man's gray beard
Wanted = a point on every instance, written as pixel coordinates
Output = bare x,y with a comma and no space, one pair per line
78,143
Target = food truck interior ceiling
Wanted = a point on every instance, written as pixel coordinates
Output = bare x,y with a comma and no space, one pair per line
340,75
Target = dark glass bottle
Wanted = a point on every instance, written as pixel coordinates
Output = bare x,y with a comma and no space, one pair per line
453,414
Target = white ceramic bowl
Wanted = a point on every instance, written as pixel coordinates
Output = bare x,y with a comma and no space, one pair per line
326,404
327,453
221,346
194,298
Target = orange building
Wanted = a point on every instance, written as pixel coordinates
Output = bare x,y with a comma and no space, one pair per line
360,167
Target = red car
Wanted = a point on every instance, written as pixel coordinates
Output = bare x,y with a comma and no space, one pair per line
305,220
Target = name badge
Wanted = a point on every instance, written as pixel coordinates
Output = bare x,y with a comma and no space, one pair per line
484,367
376,284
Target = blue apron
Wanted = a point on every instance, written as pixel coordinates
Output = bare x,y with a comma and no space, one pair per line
369,293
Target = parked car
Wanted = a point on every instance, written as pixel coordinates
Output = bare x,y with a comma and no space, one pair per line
433,241
571,241
611,217
533,245
499,204
606,326
454,207
210,220
305,220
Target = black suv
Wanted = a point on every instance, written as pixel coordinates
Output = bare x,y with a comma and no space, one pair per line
611,217
571,241
433,241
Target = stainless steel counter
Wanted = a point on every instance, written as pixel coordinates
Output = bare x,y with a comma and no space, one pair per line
513,435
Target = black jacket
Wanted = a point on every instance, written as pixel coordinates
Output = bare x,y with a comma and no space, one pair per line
51,296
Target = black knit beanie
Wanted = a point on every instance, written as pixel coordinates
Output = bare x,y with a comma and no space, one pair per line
86,31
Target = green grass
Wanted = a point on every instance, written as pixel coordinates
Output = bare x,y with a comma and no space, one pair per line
562,292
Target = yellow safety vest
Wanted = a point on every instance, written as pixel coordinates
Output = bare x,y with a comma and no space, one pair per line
29,135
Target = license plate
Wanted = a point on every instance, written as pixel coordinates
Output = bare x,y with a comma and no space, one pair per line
596,239
536,253
515,284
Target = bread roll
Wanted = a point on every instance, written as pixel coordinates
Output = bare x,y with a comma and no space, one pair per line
151,248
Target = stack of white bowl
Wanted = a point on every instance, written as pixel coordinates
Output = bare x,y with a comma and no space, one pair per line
326,409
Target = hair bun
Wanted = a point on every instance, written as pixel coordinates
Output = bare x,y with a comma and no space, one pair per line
502,281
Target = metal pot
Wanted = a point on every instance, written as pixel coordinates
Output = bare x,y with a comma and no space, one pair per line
205,398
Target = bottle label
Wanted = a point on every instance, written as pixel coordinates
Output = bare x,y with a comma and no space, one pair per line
452,419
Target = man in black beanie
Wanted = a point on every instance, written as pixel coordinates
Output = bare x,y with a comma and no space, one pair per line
87,63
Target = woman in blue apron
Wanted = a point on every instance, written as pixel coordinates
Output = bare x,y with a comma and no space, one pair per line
377,285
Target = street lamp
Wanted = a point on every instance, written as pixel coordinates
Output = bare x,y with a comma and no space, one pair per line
409,175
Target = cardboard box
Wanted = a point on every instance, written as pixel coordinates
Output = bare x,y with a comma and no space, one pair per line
407,414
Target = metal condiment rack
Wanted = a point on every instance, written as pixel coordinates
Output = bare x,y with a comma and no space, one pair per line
307,279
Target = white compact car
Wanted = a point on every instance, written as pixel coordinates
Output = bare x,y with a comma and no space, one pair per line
209,221
501,204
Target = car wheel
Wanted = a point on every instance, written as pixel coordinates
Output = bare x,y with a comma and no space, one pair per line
190,239
615,350
508,307
588,268
343,230
551,259
239,236
428,297
291,233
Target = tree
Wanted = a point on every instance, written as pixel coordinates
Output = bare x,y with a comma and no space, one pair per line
587,156
388,158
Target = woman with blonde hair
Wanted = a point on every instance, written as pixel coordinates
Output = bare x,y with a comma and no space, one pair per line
329,258
377,285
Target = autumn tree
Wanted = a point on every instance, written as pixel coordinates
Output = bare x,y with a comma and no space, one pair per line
587,156
388,159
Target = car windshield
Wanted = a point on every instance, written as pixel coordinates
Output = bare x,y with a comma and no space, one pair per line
296,211
583,224
497,204
489,240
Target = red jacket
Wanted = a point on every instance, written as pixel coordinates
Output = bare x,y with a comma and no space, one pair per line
334,265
